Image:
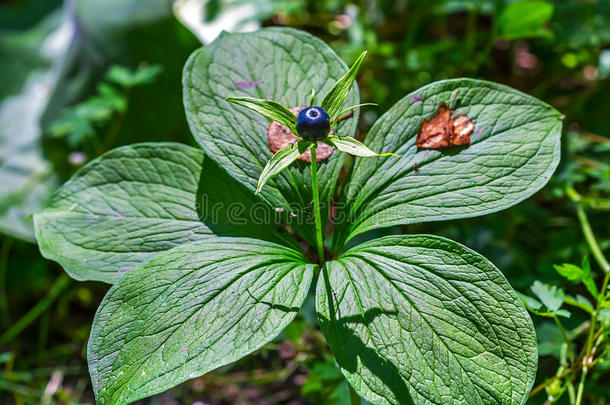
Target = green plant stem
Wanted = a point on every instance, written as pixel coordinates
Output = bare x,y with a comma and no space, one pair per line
581,385
587,361
565,337
316,204
587,231
571,394
58,286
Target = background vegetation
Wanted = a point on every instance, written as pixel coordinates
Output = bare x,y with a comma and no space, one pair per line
83,77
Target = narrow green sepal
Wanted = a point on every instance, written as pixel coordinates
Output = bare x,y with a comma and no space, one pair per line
268,108
353,147
312,99
281,160
336,96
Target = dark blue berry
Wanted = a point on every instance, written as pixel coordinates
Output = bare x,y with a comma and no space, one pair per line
313,124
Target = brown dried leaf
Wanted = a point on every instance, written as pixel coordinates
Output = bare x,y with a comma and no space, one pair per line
445,130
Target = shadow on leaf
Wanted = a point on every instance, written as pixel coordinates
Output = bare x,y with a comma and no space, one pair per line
348,348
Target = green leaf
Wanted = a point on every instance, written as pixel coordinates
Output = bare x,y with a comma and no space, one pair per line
423,319
137,201
268,108
237,65
550,296
131,78
587,279
582,274
325,385
525,19
334,99
530,303
353,147
513,152
191,310
570,271
281,160
121,209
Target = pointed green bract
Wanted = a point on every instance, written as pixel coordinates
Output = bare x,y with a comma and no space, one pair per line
333,101
423,319
191,310
353,147
281,160
268,108
312,99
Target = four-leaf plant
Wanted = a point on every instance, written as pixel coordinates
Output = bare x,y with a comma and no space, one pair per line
206,270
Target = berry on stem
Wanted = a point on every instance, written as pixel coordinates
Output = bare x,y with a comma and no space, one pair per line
313,124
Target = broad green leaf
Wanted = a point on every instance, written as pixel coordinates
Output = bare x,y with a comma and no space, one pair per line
352,146
525,19
278,162
137,201
513,152
424,319
334,99
550,296
191,310
276,64
268,108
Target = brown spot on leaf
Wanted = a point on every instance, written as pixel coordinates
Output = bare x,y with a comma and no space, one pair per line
279,136
447,128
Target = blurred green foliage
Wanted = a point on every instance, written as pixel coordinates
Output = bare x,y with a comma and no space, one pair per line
558,51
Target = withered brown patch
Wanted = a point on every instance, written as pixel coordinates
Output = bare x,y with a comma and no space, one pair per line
447,128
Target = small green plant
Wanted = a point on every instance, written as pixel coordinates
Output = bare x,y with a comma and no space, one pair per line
81,123
593,336
207,265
